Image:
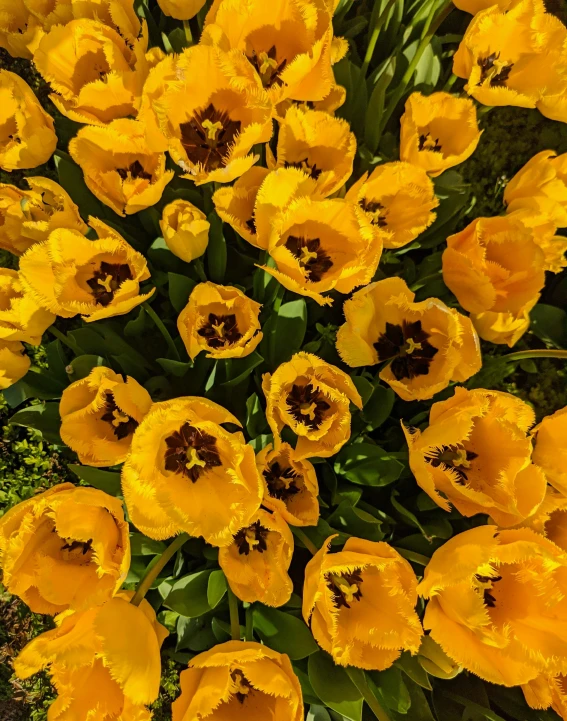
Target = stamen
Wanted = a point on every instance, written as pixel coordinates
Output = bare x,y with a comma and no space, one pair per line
412,346
106,283
212,128
119,418
265,62
193,459
308,410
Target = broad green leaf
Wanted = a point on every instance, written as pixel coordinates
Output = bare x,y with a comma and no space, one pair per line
392,689
216,250
333,686
255,417
107,481
189,595
288,331
35,384
378,407
141,545
174,367
216,588
411,667
283,632
549,324
81,366
71,178
137,325
368,465
241,368
44,417
364,388
356,522
317,713
180,287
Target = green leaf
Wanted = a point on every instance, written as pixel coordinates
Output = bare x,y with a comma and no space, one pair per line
375,108
136,326
420,710
378,407
333,686
44,417
317,713
180,288
283,632
83,365
141,545
392,689
288,331
241,368
174,367
412,668
161,256
368,465
364,388
107,481
216,249
549,324
256,423
189,595
216,588
356,522
35,384
71,178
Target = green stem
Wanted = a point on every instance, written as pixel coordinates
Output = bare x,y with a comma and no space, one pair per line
64,339
153,571
413,556
358,678
374,39
305,540
188,33
163,330
234,620
249,632
200,270
523,354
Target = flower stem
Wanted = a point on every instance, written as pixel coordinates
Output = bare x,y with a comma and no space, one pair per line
305,540
163,330
64,339
234,620
413,556
153,571
358,678
249,632
523,354
374,39
188,33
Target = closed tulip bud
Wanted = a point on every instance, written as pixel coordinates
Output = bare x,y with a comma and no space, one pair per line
426,345
256,562
220,320
67,548
435,661
20,30
185,229
496,604
550,449
239,679
545,691
27,217
476,454
312,397
119,167
235,203
290,485
104,662
181,9
27,134
97,75
68,274
187,473
438,131
360,604
399,198
14,364
99,415
21,318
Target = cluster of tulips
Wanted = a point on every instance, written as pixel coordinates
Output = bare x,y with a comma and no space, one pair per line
497,594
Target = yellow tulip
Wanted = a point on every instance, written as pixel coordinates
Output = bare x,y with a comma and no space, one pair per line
235,203
550,519
21,318
312,397
438,131
185,229
239,680
213,114
360,604
475,6
20,30
104,662
427,345
545,691
290,485
68,274
476,455
187,473
29,216
399,198
162,74
57,12
550,449
181,9
220,320
257,561
329,104
14,364
97,75
501,327
99,415
117,14
27,134
67,548
498,604
536,214
119,167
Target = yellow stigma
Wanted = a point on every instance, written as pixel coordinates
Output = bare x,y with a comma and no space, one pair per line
310,410
119,418
212,128
239,685
307,255
412,346
348,590
193,459
251,539
266,63
219,329
106,283
461,459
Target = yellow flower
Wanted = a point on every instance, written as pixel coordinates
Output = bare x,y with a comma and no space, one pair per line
239,679
117,14
494,264
476,455
27,135
21,318
256,562
56,12
67,548
319,144
289,44
331,102
360,604
119,167
99,415
235,203
20,31
181,9
497,604
290,485
438,131
426,345
68,274
96,74
399,198
550,448
543,176
27,217
536,214
516,56
545,691
187,473
14,364
475,6
312,397
162,74
503,328
550,519
104,662
185,229
220,320
213,114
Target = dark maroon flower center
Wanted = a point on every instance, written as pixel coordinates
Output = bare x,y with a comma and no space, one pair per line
307,405
107,280
282,482
191,452
408,348
312,258
208,136
220,330
252,538
122,424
